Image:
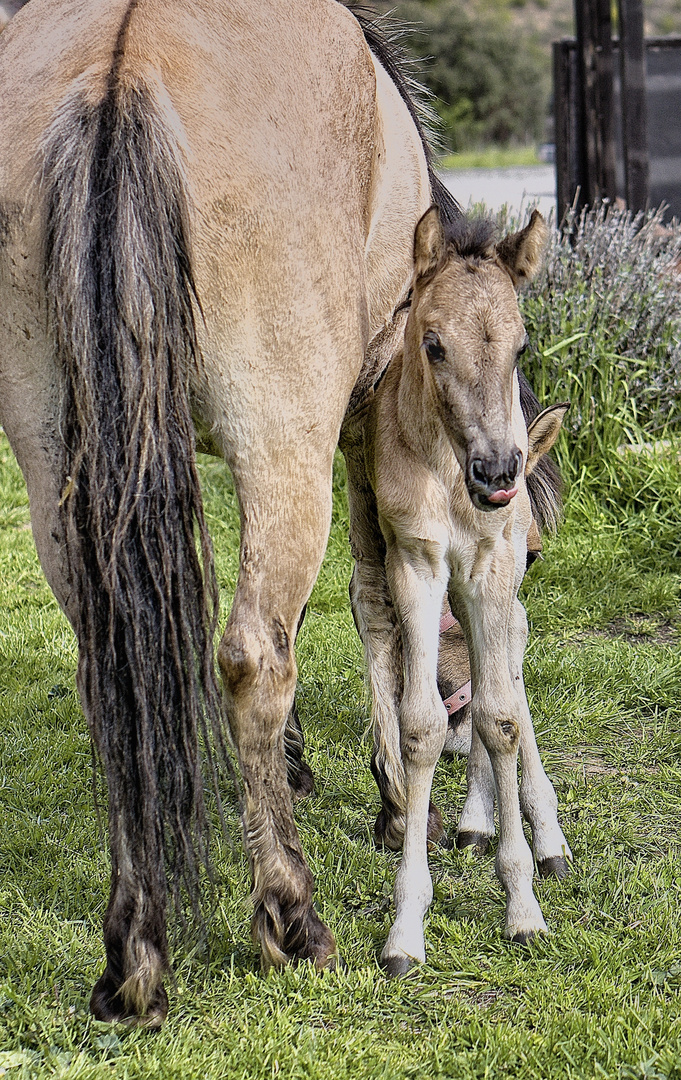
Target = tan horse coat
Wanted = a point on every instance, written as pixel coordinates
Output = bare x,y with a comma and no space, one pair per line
293,176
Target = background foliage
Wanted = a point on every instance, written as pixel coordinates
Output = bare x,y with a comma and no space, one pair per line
489,61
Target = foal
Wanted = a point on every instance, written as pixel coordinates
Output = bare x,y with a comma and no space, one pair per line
443,508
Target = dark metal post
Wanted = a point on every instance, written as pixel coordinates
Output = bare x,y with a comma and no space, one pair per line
633,96
594,48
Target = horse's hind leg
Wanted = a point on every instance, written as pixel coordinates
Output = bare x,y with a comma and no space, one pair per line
298,772
282,545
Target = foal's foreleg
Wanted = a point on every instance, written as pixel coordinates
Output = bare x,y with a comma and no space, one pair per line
499,719
417,587
537,796
378,627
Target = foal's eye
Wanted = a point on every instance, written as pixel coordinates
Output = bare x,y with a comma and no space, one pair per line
525,345
434,347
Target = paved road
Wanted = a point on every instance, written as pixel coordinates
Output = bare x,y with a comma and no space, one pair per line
519,187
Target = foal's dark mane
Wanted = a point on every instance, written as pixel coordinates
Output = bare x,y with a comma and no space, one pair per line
471,237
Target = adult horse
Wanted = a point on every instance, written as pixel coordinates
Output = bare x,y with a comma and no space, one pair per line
206,214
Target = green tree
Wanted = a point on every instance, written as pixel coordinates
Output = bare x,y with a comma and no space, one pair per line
491,82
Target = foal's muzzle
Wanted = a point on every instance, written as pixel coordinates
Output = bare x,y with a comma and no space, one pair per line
492,481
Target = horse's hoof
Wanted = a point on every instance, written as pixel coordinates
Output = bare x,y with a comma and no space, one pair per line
436,828
478,841
311,939
394,966
389,831
556,866
106,1005
302,781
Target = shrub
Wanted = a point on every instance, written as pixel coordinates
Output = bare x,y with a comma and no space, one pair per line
491,83
604,320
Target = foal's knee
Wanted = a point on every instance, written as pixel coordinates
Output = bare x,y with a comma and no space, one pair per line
499,730
422,738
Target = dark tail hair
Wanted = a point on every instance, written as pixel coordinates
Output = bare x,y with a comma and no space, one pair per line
122,304
544,484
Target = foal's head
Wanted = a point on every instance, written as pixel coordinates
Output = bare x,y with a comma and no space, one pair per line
465,329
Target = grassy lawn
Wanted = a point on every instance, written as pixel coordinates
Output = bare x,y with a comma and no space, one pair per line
491,157
599,997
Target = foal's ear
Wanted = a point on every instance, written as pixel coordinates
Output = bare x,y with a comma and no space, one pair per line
522,252
543,432
429,243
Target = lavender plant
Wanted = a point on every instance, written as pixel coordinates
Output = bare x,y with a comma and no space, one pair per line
604,320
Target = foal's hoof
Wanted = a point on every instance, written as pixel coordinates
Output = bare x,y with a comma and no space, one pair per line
557,866
478,841
524,937
106,1004
394,966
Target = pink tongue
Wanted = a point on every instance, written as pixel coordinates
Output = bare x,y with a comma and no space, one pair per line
502,496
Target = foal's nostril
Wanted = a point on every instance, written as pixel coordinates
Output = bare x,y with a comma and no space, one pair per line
478,472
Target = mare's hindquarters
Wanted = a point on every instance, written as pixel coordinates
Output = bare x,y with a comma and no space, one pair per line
97,410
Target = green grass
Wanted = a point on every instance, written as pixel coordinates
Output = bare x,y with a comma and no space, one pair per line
491,157
598,998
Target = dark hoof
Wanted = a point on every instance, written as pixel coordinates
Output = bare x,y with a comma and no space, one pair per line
478,841
436,828
308,938
106,1005
389,831
301,781
557,866
394,966
524,937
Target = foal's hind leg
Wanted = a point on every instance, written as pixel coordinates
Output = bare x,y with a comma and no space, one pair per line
282,544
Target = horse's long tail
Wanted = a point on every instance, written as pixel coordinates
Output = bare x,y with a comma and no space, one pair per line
122,306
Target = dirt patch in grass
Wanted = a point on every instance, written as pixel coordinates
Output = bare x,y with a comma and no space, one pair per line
636,628
589,761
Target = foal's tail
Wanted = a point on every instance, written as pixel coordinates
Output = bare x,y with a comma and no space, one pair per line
122,306
544,484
